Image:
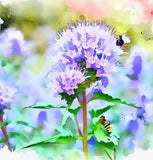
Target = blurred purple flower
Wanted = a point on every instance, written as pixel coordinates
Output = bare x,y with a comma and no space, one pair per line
7,89
12,42
136,62
42,117
98,86
34,91
32,88
133,121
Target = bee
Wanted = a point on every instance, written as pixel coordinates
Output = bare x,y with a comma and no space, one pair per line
106,124
123,41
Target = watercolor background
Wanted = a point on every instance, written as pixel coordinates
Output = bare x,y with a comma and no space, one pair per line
39,21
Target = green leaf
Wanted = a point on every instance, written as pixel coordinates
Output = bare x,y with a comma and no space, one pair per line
66,114
3,63
1,112
64,139
62,134
23,123
114,139
79,137
3,124
69,125
90,135
3,140
101,135
74,110
98,112
69,98
108,155
65,132
18,136
53,140
91,78
95,120
46,105
109,98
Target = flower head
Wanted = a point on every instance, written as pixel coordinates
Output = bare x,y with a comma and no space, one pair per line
12,42
7,89
95,43
67,80
90,46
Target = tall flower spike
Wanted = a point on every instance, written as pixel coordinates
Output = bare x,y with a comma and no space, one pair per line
12,42
7,89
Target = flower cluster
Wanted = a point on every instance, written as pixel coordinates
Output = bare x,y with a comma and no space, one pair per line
89,46
12,42
68,80
7,89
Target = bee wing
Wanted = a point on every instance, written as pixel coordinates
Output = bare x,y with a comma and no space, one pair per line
126,39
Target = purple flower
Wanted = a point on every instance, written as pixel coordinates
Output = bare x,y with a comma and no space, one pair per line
42,117
89,46
12,42
66,80
7,89
95,43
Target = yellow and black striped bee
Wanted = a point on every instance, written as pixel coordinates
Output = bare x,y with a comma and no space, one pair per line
106,124
123,42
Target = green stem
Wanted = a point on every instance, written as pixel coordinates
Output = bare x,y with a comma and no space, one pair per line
76,121
5,133
85,145
80,133
79,101
108,155
114,153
